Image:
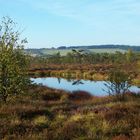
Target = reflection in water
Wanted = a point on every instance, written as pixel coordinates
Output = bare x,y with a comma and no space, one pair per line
97,88
59,80
74,82
77,82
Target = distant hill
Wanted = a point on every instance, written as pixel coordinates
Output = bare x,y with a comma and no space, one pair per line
92,48
123,47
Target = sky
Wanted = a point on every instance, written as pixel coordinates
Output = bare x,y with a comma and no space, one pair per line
54,23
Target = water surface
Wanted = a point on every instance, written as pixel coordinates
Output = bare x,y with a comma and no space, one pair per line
96,88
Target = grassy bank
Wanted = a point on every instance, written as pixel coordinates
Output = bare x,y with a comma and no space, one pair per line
69,74
46,114
88,72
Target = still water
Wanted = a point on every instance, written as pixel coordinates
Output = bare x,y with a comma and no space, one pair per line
96,88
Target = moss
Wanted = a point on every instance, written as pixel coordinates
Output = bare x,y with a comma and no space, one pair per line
41,121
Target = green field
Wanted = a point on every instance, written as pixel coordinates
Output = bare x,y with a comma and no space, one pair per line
54,51
107,50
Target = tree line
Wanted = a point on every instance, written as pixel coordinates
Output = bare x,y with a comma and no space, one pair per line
79,57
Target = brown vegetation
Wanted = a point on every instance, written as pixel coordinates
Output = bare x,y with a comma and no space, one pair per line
44,113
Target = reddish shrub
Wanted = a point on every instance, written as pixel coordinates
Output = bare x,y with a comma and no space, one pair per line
121,137
80,95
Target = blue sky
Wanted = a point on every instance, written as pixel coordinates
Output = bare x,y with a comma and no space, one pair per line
53,23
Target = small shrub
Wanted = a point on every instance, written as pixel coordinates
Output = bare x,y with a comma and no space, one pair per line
80,95
42,74
118,84
52,96
64,98
41,121
121,137
32,113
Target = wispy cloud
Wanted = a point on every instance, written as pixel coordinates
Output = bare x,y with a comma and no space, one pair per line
83,8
